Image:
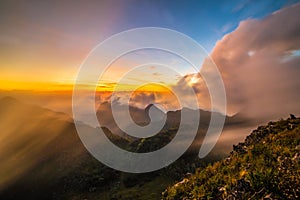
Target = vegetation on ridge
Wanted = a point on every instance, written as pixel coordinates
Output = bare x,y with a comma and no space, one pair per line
265,166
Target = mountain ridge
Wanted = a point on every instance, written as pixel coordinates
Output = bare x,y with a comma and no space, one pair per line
264,166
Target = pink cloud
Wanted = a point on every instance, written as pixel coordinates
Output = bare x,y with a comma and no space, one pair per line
260,74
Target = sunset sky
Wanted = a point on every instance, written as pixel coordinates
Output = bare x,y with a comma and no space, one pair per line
42,44
255,45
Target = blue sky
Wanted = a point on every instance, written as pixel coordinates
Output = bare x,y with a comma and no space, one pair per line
204,21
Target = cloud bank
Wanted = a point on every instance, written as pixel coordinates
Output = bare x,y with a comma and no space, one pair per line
259,63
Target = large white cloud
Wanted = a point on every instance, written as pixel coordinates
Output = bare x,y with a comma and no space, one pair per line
259,66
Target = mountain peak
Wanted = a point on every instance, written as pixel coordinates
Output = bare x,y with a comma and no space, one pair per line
149,106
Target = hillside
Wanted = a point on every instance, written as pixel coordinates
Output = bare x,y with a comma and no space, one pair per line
42,157
265,166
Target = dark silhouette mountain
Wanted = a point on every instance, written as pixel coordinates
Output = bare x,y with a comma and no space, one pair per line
169,129
265,166
141,117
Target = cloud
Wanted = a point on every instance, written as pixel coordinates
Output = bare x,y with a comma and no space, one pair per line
197,83
142,99
225,28
240,6
259,66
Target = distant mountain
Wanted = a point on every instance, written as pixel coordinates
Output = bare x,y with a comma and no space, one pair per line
265,166
141,117
170,128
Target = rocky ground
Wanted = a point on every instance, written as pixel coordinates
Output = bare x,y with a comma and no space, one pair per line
264,166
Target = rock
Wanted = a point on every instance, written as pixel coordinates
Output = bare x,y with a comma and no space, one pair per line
296,157
187,175
293,116
269,196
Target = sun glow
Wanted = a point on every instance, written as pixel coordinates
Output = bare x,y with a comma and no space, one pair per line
193,80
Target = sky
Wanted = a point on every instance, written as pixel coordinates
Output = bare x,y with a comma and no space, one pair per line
254,44
46,42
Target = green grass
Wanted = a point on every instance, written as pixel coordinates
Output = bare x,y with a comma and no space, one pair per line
265,165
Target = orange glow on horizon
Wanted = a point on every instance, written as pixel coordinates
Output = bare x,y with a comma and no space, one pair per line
34,86
103,87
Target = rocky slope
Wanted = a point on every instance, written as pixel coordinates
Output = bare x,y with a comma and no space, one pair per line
265,166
